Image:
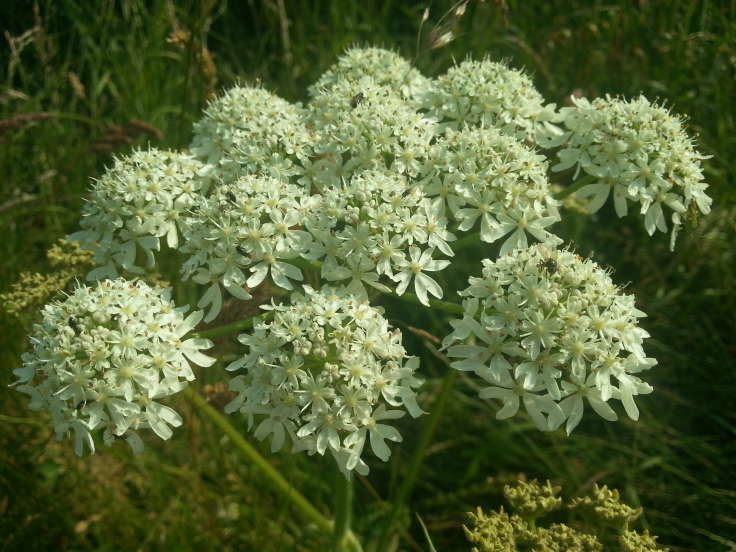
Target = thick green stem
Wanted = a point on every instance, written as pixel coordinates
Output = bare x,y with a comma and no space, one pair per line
444,306
245,324
466,241
343,511
276,479
272,474
584,181
425,438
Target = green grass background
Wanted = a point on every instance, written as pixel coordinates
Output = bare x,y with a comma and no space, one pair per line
105,63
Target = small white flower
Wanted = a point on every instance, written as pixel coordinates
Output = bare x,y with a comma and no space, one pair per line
249,130
485,93
385,67
382,131
415,267
364,229
484,175
246,231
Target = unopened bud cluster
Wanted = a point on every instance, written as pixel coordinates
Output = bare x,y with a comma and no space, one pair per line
602,529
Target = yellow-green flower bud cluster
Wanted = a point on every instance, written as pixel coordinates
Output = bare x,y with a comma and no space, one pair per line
68,259
531,499
521,530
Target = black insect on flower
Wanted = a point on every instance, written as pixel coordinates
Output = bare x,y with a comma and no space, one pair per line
73,324
549,265
231,197
241,250
359,97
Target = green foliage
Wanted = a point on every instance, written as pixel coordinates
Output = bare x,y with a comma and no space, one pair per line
77,84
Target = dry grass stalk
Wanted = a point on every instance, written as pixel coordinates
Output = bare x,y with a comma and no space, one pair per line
22,120
117,135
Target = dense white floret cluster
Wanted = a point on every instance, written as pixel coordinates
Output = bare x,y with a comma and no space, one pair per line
385,67
377,227
490,94
362,125
482,174
549,330
139,200
635,151
327,373
249,130
250,224
103,358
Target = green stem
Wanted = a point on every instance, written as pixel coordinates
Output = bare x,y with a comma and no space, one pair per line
245,324
467,241
277,480
425,438
444,306
343,510
584,181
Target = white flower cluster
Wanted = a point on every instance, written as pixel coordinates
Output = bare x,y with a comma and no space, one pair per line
483,174
359,124
253,223
640,152
327,372
139,200
370,181
490,94
385,67
551,329
105,356
249,130
379,225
